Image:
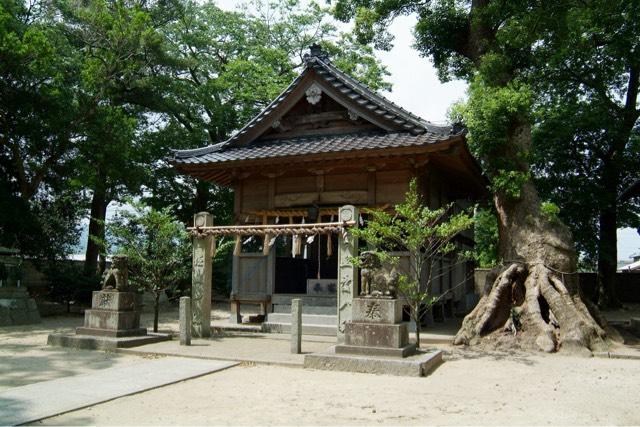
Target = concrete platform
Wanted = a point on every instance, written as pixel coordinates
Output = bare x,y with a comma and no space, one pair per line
307,329
88,342
266,349
33,402
418,365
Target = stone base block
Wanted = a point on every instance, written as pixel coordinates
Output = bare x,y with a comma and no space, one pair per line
376,335
85,342
114,333
113,320
405,351
114,300
420,364
376,310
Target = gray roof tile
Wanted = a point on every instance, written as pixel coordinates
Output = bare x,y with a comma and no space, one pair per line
262,149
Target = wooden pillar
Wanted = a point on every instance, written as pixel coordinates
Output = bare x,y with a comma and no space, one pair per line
347,273
201,278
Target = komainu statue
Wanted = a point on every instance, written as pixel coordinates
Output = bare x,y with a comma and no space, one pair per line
377,281
116,277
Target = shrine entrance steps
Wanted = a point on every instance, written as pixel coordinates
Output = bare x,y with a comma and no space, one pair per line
319,314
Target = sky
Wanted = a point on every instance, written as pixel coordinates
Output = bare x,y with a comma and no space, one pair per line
416,88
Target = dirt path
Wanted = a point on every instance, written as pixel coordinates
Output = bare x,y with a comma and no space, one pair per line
497,389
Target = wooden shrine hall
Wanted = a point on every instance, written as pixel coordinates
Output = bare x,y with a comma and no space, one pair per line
325,142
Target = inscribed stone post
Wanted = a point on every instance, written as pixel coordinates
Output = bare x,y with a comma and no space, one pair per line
185,321
201,278
296,326
347,273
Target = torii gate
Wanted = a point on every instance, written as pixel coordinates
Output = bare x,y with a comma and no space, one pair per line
204,246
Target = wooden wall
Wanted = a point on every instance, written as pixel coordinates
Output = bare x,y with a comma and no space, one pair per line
364,188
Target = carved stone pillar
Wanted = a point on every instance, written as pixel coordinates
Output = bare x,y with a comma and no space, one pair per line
201,278
347,273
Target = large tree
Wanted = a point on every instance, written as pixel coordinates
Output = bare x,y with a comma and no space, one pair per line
493,44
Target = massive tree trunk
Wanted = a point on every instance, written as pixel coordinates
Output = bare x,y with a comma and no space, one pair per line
99,205
534,301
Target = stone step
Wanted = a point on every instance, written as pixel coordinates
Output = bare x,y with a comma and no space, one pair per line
311,319
285,328
308,300
307,309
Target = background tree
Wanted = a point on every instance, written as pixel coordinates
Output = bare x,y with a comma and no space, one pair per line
587,136
39,122
118,42
493,44
157,247
427,235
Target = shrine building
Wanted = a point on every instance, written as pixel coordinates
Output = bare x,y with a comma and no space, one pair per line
328,141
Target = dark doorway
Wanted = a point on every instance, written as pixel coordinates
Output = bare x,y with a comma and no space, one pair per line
292,272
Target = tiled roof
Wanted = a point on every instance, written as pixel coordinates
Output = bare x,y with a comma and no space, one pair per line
309,145
405,124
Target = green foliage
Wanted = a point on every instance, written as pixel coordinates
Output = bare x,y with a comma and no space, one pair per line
485,231
586,135
509,182
156,244
426,234
550,210
4,273
68,283
222,263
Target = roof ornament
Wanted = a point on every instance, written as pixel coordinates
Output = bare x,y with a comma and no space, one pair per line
458,128
314,93
315,51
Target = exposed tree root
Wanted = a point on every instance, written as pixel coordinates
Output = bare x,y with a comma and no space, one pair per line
530,307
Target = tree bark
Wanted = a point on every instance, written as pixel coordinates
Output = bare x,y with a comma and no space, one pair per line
608,255
201,199
156,310
99,205
535,302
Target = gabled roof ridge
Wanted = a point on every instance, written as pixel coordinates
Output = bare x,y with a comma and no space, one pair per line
412,123
381,100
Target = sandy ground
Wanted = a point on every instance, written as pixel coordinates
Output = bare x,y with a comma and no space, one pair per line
469,388
488,390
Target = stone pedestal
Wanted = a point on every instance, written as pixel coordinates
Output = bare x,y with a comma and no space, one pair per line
113,322
376,341
113,314
376,329
17,307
